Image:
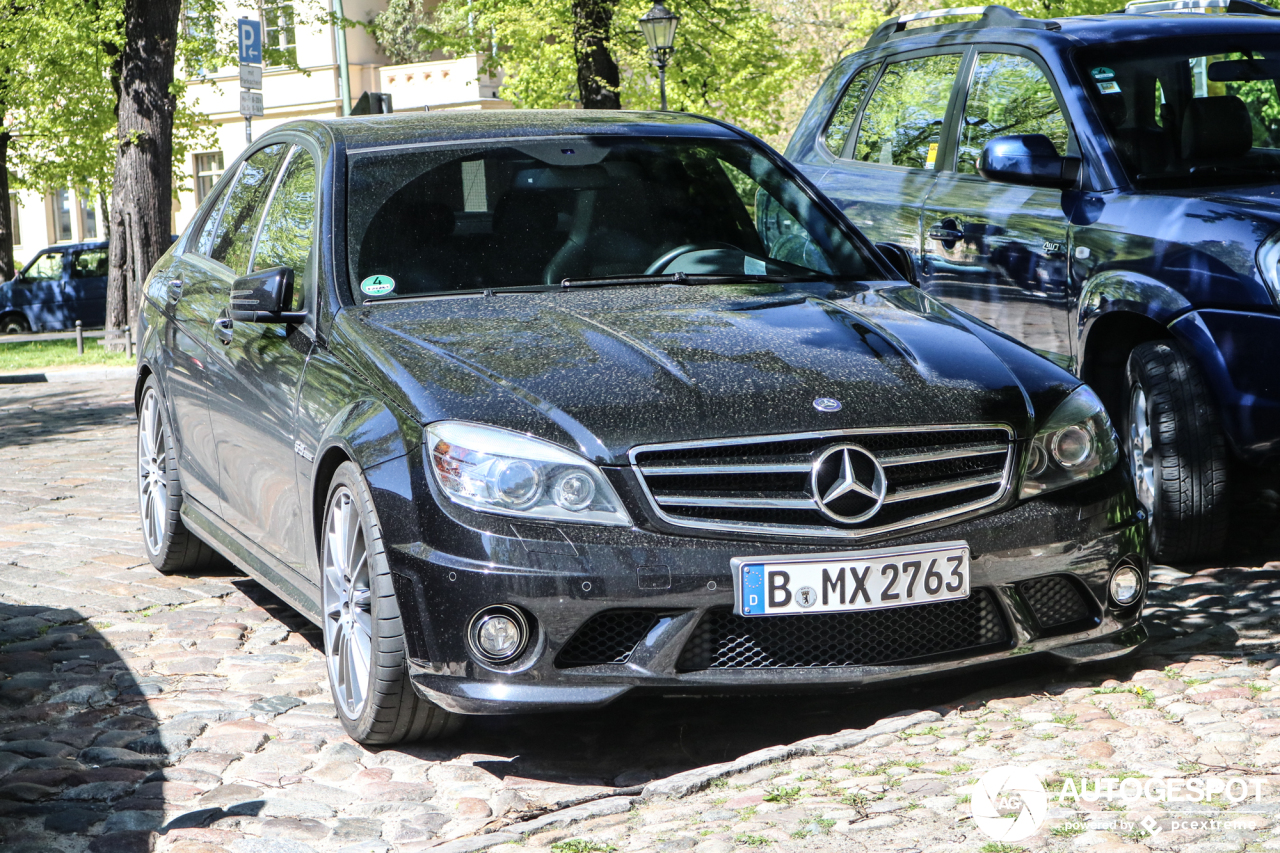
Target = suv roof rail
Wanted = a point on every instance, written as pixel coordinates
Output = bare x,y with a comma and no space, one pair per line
1235,7
991,16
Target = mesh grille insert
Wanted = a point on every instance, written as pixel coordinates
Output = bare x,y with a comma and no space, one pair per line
607,637
725,641
1055,601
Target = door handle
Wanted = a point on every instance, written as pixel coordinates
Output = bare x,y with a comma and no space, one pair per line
222,330
944,234
175,290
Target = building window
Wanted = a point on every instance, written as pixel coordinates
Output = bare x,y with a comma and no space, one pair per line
279,31
88,217
208,170
14,227
60,201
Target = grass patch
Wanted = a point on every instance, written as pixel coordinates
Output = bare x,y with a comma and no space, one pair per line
1067,830
581,845
1000,847
821,826
36,355
780,794
747,840
747,813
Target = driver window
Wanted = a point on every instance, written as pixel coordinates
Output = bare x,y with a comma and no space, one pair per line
47,266
285,239
1009,95
902,124
239,221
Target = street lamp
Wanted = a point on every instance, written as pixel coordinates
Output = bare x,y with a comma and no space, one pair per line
659,28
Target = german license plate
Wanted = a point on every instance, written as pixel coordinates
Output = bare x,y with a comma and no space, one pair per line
858,580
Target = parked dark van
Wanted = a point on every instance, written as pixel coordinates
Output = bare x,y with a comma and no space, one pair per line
60,285
1104,189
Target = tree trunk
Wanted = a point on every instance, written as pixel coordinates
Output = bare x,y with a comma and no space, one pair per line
142,195
6,210
598,79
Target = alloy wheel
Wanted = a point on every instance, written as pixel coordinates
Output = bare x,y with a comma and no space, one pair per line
348,619
153,472
1142,461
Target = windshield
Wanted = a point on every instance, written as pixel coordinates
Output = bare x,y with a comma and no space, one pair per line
519,214
1179,114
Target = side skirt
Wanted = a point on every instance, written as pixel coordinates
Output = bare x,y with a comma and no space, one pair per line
251,559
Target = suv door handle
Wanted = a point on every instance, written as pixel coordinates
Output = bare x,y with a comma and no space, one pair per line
943,234
222,330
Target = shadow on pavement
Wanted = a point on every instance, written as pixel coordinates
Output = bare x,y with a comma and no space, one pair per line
56,413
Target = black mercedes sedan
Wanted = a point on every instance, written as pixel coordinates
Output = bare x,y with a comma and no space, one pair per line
528,410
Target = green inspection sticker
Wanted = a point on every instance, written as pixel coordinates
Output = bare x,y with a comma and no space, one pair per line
378,285
1103,74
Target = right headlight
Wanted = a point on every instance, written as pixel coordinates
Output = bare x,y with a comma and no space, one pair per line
1269,264
1076,443
496,470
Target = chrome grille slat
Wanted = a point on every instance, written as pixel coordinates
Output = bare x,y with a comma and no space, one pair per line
912,493
761,484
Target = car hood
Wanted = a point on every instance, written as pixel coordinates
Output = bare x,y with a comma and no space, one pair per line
614,368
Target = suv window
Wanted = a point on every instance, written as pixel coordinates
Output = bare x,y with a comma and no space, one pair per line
89,263
233,238
1008,95
46,266
286,236
847,111
902,123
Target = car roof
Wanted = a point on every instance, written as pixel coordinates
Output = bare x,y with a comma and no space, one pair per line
355,132
74,247
1089,30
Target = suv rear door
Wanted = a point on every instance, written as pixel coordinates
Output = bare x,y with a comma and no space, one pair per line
999,251
887,143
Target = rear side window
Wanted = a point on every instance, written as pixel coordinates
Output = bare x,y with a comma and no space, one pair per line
89,263
233,238
847,112
902,124
1009,95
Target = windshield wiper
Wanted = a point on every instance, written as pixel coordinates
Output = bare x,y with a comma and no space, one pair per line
687,278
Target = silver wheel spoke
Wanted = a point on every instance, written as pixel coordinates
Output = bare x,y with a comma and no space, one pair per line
346,604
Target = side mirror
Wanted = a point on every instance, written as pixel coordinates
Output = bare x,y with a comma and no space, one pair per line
900,259
260,296
1029,160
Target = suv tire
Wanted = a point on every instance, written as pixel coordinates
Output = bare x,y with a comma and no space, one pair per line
14,324
363,635
170,546
1177,453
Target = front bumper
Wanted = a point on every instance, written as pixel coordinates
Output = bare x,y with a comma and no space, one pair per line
562,577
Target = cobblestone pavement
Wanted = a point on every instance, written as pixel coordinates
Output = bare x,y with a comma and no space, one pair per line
191,715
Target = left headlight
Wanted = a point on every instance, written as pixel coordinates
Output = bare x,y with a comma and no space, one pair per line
1268,261
1076,443
496,470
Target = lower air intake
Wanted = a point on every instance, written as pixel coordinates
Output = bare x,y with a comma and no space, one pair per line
894,635
606,638
1055,601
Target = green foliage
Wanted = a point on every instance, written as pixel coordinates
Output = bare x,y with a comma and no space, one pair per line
396,30
581,845
752,840
38,355
1000,847
779,794
731,61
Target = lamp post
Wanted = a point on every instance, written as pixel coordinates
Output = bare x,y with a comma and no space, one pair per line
659,28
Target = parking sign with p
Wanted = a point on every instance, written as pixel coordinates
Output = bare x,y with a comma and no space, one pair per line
249,35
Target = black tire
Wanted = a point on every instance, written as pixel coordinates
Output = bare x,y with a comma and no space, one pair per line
389,710
1186,454
14,324
170,546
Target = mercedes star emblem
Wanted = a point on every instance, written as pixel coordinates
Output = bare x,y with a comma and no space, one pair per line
848,483
826,404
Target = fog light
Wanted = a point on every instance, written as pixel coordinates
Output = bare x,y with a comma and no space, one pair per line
574,491
1126,585
499,633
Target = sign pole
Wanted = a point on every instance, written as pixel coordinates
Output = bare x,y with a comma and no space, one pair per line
249,35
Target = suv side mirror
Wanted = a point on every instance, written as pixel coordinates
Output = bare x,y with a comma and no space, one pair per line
1030,160
900,259
260,296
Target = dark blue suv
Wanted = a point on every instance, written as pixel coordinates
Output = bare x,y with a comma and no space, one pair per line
60,285
1105,189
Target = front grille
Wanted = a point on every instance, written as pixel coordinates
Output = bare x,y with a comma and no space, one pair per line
763,484
1055,601
606,638
894,635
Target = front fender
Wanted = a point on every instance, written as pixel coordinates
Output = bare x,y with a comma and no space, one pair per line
1124,290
